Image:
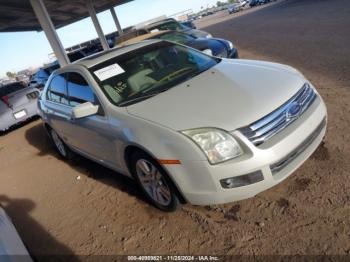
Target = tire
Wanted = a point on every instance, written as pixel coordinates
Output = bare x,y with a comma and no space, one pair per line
154,182
61,148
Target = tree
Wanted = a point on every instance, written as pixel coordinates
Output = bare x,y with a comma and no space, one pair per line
219,3
10,74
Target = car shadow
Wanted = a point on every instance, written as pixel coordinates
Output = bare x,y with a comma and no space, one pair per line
38,138
40,244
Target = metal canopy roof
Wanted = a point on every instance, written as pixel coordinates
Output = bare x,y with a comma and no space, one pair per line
18,15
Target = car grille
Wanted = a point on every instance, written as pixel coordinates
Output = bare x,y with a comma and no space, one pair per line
270,125
276,167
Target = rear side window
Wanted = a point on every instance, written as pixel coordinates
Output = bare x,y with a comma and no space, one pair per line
11,88
79,91
57,90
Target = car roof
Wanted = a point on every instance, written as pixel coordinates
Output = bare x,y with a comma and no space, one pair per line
160,22
143,37
103,56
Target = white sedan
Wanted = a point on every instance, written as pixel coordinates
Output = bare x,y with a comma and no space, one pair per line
188,127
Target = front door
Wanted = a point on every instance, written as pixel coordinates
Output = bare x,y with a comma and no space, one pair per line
90,135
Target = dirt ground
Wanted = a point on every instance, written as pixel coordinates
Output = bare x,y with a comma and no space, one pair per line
82,208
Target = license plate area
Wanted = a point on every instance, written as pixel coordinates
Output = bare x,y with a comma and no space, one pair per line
20,114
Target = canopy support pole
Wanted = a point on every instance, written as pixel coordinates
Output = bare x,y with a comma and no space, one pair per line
116,21
50,31
98,28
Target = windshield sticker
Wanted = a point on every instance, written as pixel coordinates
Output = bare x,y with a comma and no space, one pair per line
109,71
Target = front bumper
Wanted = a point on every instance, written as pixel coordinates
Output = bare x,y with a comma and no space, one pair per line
199,182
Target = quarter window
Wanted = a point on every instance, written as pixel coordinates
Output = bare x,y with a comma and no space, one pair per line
79,91
57,90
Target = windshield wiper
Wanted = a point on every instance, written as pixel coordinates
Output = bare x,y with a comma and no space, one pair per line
140,98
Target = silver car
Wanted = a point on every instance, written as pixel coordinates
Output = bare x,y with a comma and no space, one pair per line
12,248
18,103
186,126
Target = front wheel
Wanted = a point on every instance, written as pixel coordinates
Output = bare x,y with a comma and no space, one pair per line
60,146
154,182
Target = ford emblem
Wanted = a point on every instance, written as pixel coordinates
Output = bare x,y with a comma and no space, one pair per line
293,111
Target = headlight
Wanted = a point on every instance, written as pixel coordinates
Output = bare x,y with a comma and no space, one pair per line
209,36
230,44
218,145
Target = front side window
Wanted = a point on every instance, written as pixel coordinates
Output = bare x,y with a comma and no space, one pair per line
147,71
79,91
57,90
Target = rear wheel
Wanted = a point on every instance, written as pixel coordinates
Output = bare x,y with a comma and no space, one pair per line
60,146
154,182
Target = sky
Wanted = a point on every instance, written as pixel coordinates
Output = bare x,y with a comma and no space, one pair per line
22,50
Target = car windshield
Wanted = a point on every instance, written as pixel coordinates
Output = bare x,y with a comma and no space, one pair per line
148,71
176,37
172,25
11,88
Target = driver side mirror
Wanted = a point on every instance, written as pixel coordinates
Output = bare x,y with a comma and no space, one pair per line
84,110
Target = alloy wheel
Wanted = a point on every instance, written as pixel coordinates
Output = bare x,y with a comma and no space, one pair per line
153,182
58,143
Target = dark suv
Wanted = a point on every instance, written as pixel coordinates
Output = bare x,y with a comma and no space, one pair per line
173,25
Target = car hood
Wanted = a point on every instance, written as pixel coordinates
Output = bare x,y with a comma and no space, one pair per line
230,95
197,33
215,45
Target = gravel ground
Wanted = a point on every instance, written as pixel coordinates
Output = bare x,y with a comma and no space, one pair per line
84,209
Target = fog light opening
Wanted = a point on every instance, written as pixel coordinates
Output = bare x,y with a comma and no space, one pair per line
244,180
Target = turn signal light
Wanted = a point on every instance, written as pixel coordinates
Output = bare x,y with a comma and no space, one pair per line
6,100
169,162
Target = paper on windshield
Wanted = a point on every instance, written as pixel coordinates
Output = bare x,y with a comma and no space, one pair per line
109,71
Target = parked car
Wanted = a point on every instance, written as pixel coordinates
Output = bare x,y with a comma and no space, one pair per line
11,245
258,2
207,13
84,52
213,46
40,77
253,3
186,126
18,103
261,2
234,8
243,3
189,24
172,24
